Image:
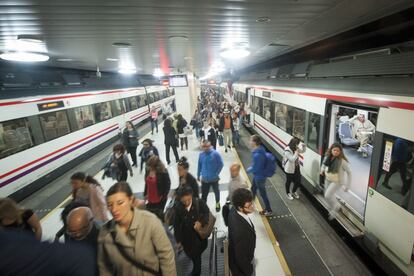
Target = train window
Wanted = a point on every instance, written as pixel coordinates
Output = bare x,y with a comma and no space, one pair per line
141,100
281,116
298,123
84,116
102,111
314,123
118,107
268,110
157,96
258,106
395,179
15,136
151,98
133,103
54,124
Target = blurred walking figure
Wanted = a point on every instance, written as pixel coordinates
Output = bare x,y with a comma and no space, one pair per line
181,124
186,178
291,167
157,186
12,217
154,119
118,164
259,174
208,133
134,242
170,140
130,140
236,133
227,128
191,213
148,150
337,174
87,190
210,164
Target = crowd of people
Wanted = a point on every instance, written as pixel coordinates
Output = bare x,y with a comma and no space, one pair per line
144,236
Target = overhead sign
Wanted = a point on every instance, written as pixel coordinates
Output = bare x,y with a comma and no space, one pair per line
178,81
50,105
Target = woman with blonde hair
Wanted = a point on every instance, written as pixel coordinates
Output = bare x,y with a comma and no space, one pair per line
335,168
15,218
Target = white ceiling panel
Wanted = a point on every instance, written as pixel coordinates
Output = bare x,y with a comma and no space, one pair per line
84,30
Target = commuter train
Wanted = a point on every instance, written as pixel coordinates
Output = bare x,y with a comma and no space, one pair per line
41,135
380,203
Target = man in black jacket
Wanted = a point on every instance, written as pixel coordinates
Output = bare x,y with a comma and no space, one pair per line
242,236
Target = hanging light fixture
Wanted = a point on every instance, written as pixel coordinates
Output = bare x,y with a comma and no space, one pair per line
24,57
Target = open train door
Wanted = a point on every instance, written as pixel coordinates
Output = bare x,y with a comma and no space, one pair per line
344,123
249,101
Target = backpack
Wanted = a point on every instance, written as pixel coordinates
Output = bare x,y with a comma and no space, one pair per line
270,166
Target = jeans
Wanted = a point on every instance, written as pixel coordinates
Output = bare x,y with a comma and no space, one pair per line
295,178
236,138
197,131
260,184
205,189
167,153
196,265
154,124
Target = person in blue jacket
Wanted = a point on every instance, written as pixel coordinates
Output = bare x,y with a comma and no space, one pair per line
210,164
258,170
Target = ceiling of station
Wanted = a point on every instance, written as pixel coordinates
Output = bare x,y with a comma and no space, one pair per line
184,34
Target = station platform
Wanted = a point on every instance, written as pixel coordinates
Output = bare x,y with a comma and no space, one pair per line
296,240
267,259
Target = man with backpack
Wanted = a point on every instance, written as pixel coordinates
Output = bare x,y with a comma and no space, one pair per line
263,166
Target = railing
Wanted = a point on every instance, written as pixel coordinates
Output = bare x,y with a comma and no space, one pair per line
213,254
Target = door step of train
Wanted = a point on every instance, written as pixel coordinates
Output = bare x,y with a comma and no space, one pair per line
342,219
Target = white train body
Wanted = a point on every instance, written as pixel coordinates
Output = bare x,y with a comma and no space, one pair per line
386,220
24,167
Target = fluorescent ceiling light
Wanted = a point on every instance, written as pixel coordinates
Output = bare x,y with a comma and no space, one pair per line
24,57
127,71
65,59
234,53
30,38
112,59
158,73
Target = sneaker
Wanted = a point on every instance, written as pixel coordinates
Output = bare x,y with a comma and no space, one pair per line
296,195
359,149
225,150
289,196
218,207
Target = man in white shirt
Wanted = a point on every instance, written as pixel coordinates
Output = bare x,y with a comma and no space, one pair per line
362,130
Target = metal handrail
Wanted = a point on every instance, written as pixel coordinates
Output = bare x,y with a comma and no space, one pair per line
213,254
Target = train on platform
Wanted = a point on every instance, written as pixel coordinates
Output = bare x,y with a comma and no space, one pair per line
42,136
379,205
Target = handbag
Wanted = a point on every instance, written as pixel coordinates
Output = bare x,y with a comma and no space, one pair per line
134,262
332,177
207,229
221,140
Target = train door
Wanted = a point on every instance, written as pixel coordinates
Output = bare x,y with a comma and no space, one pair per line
250,103
354,128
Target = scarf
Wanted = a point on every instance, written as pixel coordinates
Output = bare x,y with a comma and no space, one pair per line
332,164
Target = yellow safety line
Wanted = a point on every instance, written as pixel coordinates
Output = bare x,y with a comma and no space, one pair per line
56,208
69,197
268,228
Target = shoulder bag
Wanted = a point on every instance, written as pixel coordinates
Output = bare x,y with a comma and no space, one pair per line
207,229
134,262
